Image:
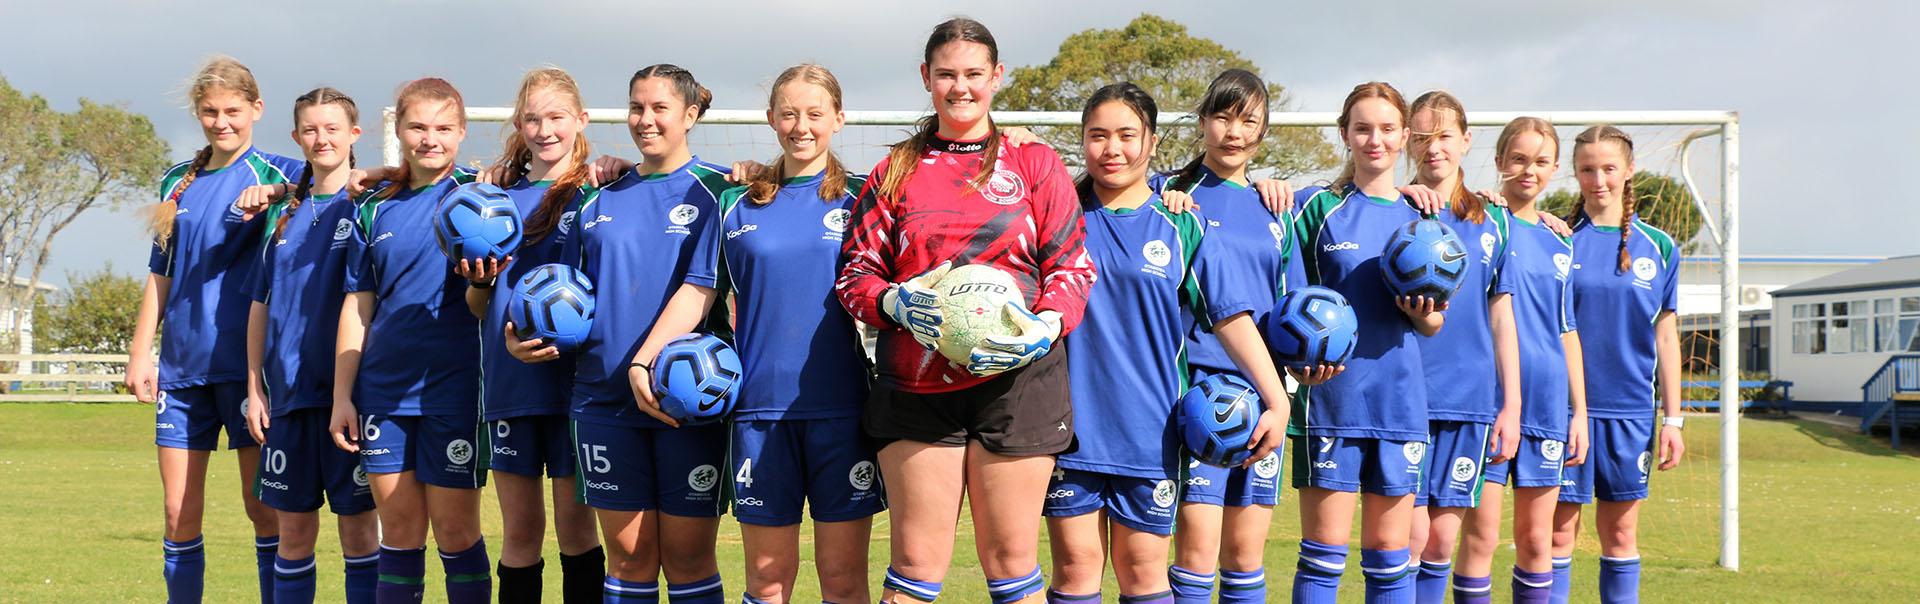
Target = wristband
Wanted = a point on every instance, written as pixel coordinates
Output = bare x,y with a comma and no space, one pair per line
1677,422
645,366
479,285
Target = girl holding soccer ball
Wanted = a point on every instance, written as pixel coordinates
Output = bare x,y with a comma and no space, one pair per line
951,195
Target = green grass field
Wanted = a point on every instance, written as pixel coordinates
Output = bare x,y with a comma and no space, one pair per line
1828,515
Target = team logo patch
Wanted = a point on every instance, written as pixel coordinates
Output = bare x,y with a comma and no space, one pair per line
1562,262
501,429
1552,450
1486,244
1463,469
343,230
359,476
1414,451
566,222
1163,494
703,477
836,220
683,214
1268,466
1003,187
861,476
460,451
1156,252
235,210
1645,269
1646,462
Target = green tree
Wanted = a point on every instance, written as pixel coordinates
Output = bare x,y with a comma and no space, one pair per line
94,314
55,166
1158,55
1660,200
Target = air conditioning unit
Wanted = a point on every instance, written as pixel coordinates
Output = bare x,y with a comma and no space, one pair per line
1752,295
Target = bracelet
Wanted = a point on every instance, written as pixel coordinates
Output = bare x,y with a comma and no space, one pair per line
1677,422
479,285
645,366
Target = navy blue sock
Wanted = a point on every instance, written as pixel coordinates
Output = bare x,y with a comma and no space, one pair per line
1430,586
1011,590
1389,575
615,591
469,576
403,575
1190,587
1532,588
749,599
1317,576
1055,597
293,581
1163,597
264,549
1562,580
1238,587
1472,590
704,591
363,573
185,568
1619,580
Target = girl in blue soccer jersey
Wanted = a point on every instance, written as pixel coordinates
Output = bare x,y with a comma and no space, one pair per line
1366,429
290,334
796,422
1473,405
204,247
1115,494
1625,289
1225,512
406,386
1552,394
654,490
544,169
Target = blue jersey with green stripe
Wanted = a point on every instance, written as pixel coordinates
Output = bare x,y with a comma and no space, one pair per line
422,352
1619,309
637,241
1129,359
1259,258
509,387
298,279
801,356
213,249
1538,261
1383,393
1462,383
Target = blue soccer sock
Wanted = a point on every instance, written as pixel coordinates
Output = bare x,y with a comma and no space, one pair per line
1011,590
403,575
469,574
1190,587
616,591
185,568
925,591
363,573
1472,590
264,550
1532,588
1243,587
1430,585
293,581
1163,597
749,599
1619,580
1389,574
704,591
1317,576
1054,597
1562,580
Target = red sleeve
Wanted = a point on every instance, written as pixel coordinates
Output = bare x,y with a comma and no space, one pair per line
866,267
1066,271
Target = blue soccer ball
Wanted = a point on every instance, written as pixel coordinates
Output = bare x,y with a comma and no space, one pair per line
695,378
1216,418
477,221
1311,326
552,302
1424,258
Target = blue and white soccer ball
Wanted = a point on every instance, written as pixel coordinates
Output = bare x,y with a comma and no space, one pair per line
695,378
1311,326
477,221
1424,258
552,302
1216,418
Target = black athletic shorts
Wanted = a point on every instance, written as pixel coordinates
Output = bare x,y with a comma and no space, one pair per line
1024,412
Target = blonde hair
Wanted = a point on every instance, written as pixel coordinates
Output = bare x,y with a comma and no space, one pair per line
220,72
518,158
762,187
1369,90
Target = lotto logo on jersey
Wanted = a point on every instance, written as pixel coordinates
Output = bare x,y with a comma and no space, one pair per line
1562,263
861,476
1003,187
1463,469
1486,247
1644,269
703,477
1163,494
343,230
460,451
1156,252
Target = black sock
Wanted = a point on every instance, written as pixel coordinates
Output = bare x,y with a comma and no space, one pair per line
583,576
522,584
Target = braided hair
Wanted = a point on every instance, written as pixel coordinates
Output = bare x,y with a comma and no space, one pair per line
315,98
1608,133
219,73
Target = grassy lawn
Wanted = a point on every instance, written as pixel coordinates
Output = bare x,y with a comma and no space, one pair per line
1828,515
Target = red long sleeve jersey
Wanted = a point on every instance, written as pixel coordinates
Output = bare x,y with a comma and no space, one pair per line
1025,221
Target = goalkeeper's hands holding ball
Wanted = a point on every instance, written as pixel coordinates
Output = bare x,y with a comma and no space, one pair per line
1035,336
915,306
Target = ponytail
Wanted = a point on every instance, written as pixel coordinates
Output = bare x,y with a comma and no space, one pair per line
160,215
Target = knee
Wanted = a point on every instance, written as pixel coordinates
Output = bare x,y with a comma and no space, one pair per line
359,534
521,534
687,563
634,566
1243,557
770,570
1619,540
455,535
843,584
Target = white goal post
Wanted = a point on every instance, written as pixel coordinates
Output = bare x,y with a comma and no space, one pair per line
1720,228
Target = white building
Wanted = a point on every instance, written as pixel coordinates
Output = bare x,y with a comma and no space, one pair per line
1837,330
1759,274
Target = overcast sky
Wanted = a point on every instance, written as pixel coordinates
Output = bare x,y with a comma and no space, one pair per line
1819,85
